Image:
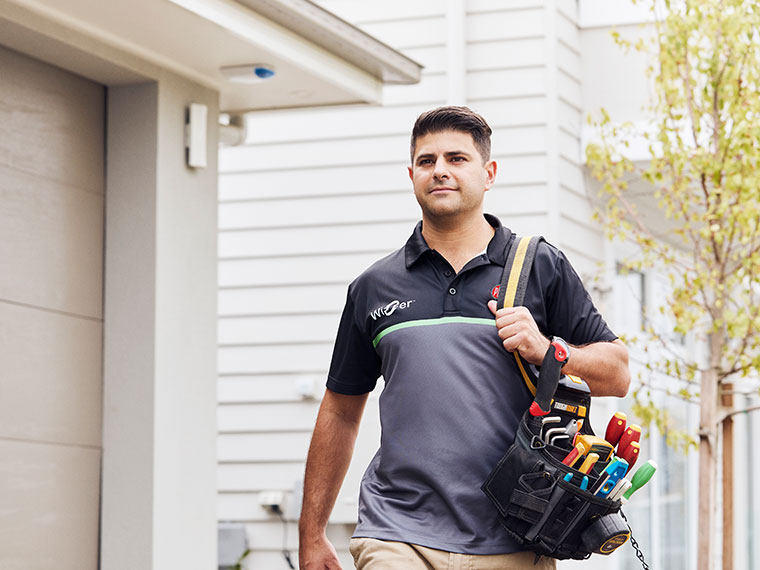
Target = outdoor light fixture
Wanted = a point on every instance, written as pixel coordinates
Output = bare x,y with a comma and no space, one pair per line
195,135
248,73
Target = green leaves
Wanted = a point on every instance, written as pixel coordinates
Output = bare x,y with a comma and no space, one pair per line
650,413
703,179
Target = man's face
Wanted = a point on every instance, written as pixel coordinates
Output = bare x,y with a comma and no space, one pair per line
448,174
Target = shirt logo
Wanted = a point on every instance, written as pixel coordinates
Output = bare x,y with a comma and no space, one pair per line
495,292
390,308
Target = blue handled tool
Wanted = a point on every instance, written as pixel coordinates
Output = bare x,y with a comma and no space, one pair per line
610,476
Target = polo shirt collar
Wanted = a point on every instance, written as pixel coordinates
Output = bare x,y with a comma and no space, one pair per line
416,245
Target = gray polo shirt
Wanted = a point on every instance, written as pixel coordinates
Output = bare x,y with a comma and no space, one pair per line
453,396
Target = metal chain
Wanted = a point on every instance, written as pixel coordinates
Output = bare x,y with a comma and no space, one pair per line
634,544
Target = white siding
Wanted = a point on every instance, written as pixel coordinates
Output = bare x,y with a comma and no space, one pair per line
581,240
317,195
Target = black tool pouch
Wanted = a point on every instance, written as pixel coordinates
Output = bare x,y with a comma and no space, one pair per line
545,513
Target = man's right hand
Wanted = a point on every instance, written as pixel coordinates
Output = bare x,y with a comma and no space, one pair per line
318,555
332,445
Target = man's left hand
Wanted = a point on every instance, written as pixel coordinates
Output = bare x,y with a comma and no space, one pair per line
519,331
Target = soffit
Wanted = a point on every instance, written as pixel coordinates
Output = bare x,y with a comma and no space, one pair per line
318,58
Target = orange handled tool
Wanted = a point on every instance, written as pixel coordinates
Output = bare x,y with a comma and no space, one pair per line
632,433
600,446
615,428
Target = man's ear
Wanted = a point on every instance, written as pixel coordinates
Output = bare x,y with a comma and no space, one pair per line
490,168
411,173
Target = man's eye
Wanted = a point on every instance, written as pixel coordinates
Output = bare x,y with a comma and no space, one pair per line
424,161
457,159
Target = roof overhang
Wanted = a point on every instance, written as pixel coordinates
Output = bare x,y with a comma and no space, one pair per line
318,58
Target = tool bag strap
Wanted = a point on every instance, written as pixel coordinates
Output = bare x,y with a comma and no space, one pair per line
514,284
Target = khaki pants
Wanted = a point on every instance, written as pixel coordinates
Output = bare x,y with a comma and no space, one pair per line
373,554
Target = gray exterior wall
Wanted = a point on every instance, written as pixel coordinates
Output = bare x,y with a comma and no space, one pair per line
159,362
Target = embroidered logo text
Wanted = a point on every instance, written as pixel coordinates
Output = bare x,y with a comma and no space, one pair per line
390,308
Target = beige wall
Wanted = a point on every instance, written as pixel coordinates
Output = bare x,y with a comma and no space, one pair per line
51,318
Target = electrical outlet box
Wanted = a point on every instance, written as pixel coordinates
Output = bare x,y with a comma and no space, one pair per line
272,501
305,387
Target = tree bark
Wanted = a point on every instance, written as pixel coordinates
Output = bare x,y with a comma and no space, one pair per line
707,456
727,460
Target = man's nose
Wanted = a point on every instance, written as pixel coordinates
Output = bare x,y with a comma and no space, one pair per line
441,170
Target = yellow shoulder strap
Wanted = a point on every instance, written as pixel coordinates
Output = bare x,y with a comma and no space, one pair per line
514,283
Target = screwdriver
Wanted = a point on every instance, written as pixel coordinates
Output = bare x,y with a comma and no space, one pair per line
641,477
632,433
622,486
610,477
631,453
615,428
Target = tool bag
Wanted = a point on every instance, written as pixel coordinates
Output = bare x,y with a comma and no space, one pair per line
537,505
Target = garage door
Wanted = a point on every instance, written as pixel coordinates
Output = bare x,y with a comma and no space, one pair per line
51,321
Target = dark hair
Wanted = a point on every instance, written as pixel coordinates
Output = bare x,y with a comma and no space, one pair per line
453,118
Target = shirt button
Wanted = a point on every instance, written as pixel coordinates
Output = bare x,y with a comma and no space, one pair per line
447,273
452,291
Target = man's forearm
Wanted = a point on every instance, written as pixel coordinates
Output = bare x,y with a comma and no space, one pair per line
603,366
330,452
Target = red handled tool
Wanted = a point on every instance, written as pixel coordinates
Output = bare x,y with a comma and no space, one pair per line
615,428
548,378
631,453
632,433
581,448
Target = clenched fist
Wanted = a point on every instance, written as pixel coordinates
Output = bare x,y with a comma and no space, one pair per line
519,332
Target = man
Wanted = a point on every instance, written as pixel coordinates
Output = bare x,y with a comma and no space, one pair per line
423,318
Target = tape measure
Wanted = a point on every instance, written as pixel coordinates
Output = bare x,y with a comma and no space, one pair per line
606,534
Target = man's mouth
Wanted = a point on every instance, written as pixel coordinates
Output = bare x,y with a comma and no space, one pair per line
442,189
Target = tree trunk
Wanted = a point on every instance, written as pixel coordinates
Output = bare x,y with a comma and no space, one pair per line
708,409
727,399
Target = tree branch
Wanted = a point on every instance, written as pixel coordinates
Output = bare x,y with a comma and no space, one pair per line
724,416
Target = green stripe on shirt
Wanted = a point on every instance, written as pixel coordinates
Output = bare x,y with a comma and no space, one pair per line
430,322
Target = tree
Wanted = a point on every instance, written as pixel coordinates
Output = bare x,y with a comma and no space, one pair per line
704,171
